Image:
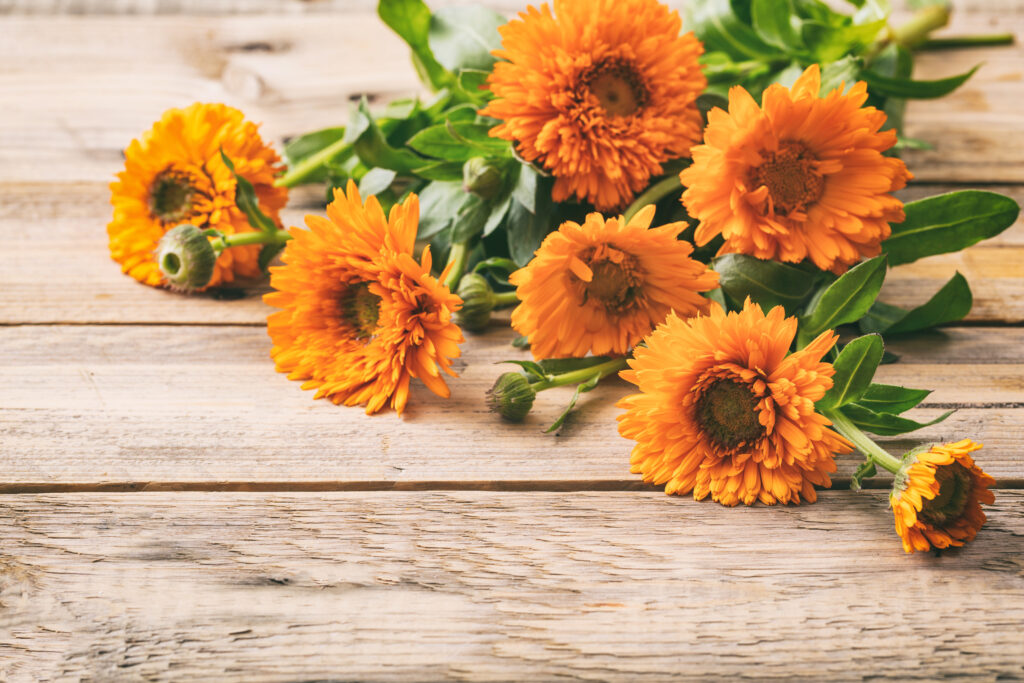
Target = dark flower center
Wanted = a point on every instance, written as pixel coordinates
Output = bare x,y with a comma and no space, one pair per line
360,308
616,283
789,174
618,86
170,196
727,411
948,505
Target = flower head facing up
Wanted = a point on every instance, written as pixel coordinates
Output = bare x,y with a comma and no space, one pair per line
602,286
724,411
174,174
937,495
360,316
800,177
600,92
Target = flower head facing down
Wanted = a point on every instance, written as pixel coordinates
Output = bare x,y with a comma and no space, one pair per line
937,495
360,316
600,92
724,410
602,286
174,174
800,177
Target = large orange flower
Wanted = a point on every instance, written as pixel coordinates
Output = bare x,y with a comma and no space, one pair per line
360,316
601,92
801,177
175,175
602,286
724,411
937,495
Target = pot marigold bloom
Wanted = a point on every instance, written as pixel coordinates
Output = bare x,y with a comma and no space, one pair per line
600,92
175,175
724,411
937,495
360,316
602,286
801,177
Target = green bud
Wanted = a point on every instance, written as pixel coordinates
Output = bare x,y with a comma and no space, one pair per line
481,178
186,258
511,396
477,302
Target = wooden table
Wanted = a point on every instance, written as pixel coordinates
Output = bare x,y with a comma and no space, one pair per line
174,509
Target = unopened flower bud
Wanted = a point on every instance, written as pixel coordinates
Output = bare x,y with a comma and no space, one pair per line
481,178
186,258
478,301
511,396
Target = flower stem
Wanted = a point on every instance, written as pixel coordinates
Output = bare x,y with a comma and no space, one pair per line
245,238
505,299
653,194
924,21
967,41
300,172
871,450
458,255
576,376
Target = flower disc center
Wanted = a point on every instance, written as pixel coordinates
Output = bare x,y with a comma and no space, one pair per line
360,308
615,283
954,486
170,196
727,411
790,176
617,86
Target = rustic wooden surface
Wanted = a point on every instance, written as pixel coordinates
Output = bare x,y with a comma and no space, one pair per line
174,509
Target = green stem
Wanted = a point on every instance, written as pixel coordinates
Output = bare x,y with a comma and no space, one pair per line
924,21
967,41
576,376
458,255
505,299
245,238
653,194
871,450
300,172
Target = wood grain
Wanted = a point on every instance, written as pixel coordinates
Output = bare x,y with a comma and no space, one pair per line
486,587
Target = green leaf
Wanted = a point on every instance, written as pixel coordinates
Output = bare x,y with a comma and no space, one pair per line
526,229
948,222
458,141
949,304
855,367
470,219
473,82
768,283
829,42
888,398
583,387
558,366
463,37
305,146
439,202
410,19
521,342
525,189
885,424
715,22
376,181
267,254
847,299
497,216
866,469
496,263
773,21
918,90
840,72
246,200
532,369
440,170
373,149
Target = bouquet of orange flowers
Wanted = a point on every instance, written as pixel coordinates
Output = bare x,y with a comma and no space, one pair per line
696,206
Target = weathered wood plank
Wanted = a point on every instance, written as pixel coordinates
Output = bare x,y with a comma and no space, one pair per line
151,404
481,587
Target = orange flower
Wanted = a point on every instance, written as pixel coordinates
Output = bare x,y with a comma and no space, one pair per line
724,411
602,286
937,495
175,175
801,177
360,316
602,92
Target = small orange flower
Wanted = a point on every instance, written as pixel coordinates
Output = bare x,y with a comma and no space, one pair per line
175,175
602,286
801,177
601,92
360,316
937,495
724,411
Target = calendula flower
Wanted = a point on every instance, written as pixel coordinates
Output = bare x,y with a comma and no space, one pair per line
937,495
724,410
174,174
601,92
360,316
801,176
602,286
